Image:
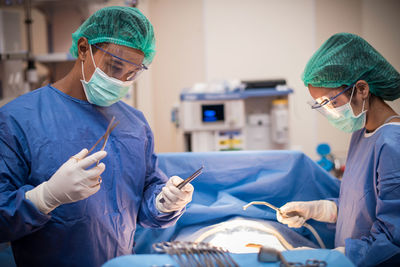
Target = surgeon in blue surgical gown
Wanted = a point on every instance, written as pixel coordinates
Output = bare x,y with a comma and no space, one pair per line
349,81
58,207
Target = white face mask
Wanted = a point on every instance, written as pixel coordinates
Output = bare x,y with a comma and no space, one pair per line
103,90
343,117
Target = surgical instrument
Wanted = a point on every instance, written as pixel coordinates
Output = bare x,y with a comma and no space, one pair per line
287,215
187,180
271,255
105,136
110,127
196,254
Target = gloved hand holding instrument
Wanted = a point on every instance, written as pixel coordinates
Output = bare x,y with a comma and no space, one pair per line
74,180
176,193
295,215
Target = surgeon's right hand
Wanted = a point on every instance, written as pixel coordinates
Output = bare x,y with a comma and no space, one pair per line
320,210
73,181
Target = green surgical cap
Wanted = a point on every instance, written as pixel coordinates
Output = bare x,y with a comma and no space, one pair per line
119,25
346,58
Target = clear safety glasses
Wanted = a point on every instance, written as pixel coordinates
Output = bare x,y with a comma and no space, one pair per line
324,101
114,65
328,106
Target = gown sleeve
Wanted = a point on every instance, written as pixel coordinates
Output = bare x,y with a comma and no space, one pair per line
384,240
148,215
18,216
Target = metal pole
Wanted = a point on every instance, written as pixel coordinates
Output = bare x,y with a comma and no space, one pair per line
28,23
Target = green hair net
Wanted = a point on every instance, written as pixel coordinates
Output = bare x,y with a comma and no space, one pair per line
119,25
346,58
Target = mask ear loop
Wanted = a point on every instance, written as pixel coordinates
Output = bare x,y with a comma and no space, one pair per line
91,55
363,107
352,92
83,73
94,63
352,97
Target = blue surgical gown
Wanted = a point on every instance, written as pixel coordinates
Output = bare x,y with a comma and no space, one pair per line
368,223
41,130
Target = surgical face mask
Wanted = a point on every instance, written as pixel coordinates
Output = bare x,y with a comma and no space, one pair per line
102,90
343,117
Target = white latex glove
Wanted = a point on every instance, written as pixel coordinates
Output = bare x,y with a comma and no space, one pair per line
70,183
340,249
320,210
174,198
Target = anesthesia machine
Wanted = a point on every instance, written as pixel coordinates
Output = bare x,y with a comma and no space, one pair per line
252,116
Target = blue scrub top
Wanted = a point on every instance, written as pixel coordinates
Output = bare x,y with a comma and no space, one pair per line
41,130
368,223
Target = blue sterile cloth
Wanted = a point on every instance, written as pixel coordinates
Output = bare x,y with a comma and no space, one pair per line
331,257
232,179
6,257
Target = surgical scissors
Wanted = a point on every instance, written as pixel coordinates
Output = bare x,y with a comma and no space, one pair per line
187,180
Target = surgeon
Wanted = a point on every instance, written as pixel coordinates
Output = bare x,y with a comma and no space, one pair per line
349,82
58,206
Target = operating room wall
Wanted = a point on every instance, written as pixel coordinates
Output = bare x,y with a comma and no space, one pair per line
179,63
381,27
210,40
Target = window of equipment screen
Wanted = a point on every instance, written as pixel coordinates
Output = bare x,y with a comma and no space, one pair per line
212,113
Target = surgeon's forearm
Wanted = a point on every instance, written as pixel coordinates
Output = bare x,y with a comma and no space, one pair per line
19,216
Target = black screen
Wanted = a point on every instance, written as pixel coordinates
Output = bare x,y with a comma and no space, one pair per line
212,113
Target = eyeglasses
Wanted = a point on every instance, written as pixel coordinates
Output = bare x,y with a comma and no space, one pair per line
318,104
114,69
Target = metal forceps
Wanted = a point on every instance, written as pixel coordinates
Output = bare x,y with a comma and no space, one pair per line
110,127
187,180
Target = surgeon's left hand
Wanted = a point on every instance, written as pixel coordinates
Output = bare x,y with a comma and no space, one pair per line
175,199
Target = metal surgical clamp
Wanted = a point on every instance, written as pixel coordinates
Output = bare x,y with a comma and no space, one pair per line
196,254
187,180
